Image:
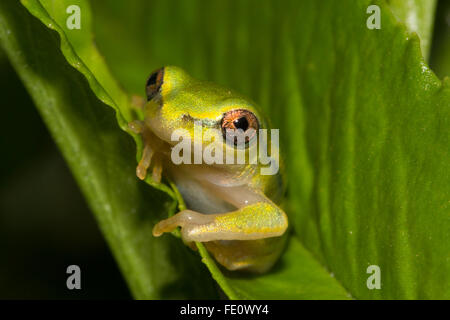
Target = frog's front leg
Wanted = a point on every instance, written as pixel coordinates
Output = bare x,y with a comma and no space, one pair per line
257,218
148,153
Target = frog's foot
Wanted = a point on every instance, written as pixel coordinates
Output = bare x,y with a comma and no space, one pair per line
148,152
256,221
186,219
157,169
144,163
136,126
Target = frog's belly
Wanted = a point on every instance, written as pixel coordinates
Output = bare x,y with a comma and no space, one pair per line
200,199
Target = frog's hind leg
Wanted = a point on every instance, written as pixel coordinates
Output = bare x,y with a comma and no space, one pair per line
252,255
256,217
256,221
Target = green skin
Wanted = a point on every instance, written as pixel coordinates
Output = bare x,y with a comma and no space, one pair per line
233,207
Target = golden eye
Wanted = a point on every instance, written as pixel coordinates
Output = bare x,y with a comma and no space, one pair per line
241,119
154,83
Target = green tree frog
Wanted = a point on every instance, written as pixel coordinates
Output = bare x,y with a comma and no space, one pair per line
232,208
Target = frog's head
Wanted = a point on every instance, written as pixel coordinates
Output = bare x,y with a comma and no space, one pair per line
178,101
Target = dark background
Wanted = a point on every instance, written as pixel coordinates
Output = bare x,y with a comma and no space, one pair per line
45,224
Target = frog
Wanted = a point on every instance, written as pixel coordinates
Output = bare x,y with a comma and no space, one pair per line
231,208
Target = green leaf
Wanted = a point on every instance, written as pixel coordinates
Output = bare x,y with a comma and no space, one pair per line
101,157
364,123
418,16
76,47
297,276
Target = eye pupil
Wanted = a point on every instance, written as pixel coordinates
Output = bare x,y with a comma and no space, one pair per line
236,120
241,123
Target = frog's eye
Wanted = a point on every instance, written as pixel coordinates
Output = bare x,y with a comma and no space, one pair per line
241,119
154,83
